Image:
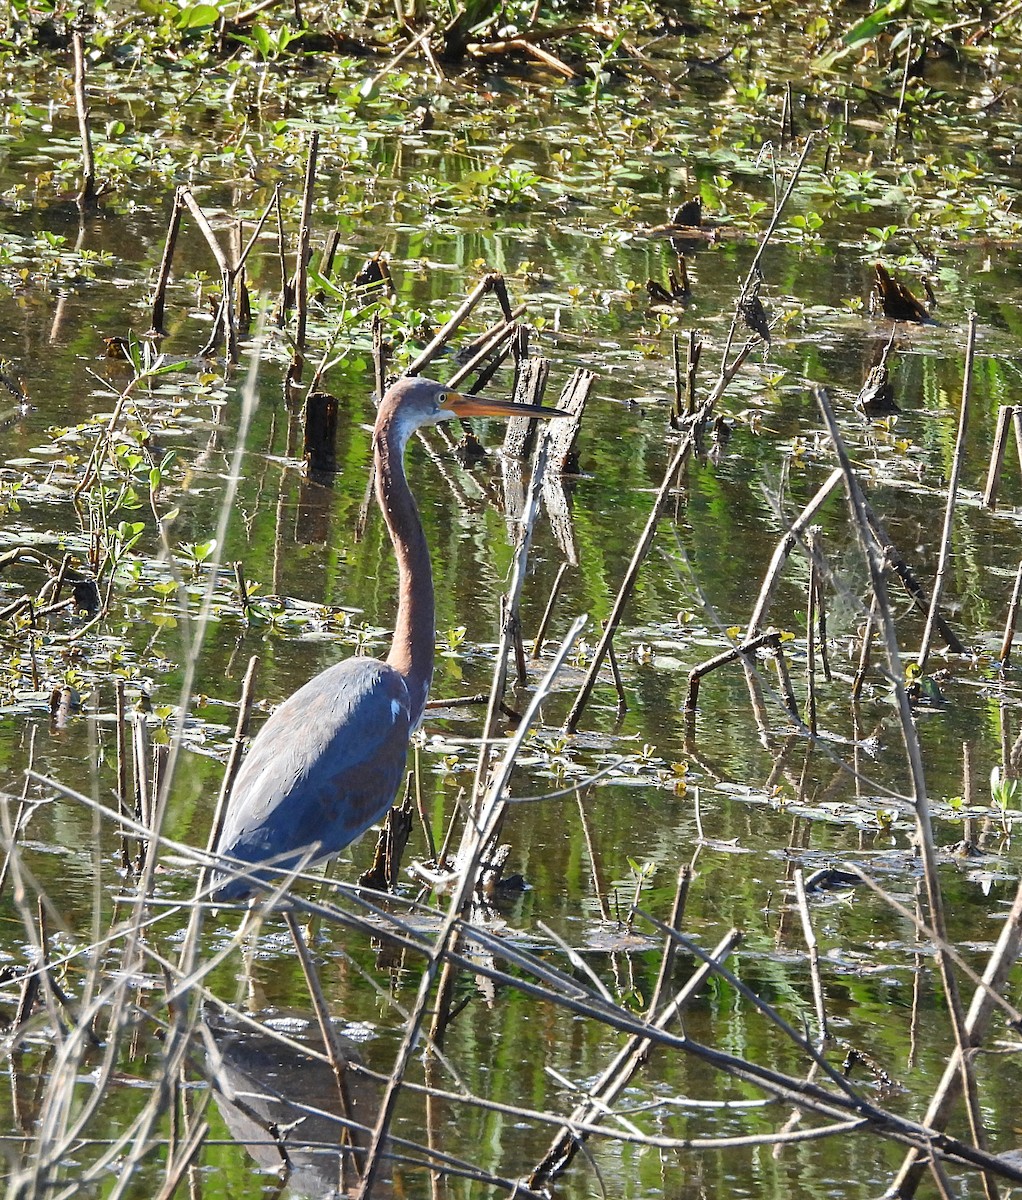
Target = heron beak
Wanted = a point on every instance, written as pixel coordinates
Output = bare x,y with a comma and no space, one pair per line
477,406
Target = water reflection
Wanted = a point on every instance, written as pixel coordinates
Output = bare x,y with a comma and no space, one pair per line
281,1099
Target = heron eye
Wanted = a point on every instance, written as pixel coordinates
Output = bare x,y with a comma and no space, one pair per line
442,399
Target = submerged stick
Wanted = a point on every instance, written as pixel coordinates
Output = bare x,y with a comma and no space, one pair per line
952,495
628,584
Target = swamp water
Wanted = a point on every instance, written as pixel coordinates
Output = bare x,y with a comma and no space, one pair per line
557,186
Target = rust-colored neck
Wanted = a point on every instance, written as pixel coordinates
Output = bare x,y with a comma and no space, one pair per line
414,631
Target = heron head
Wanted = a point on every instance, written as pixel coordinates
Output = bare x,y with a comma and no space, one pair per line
418,401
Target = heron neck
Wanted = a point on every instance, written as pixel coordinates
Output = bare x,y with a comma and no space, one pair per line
414,630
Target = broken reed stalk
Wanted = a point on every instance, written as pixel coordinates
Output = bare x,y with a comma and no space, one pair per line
667,957
234,758
121,717
503,336
977,1022
615,674
812,587
19,816
482,824
548,612
1012,620
87,193
618,1073
379,356
865,650
193,642
784,549
695,350
521,332
98,449
242,299
818,567
158,326
489,283
910,738
301,285
814,956
224,323
628,583
594,862
784,684
762,641
286,290
140,760
1005,413
491,366
374,81
904,86
952,495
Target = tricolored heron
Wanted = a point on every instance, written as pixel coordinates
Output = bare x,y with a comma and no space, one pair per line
329,761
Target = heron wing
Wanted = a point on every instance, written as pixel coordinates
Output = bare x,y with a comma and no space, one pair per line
324,767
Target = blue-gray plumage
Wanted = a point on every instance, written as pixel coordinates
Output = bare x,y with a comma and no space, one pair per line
329,761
